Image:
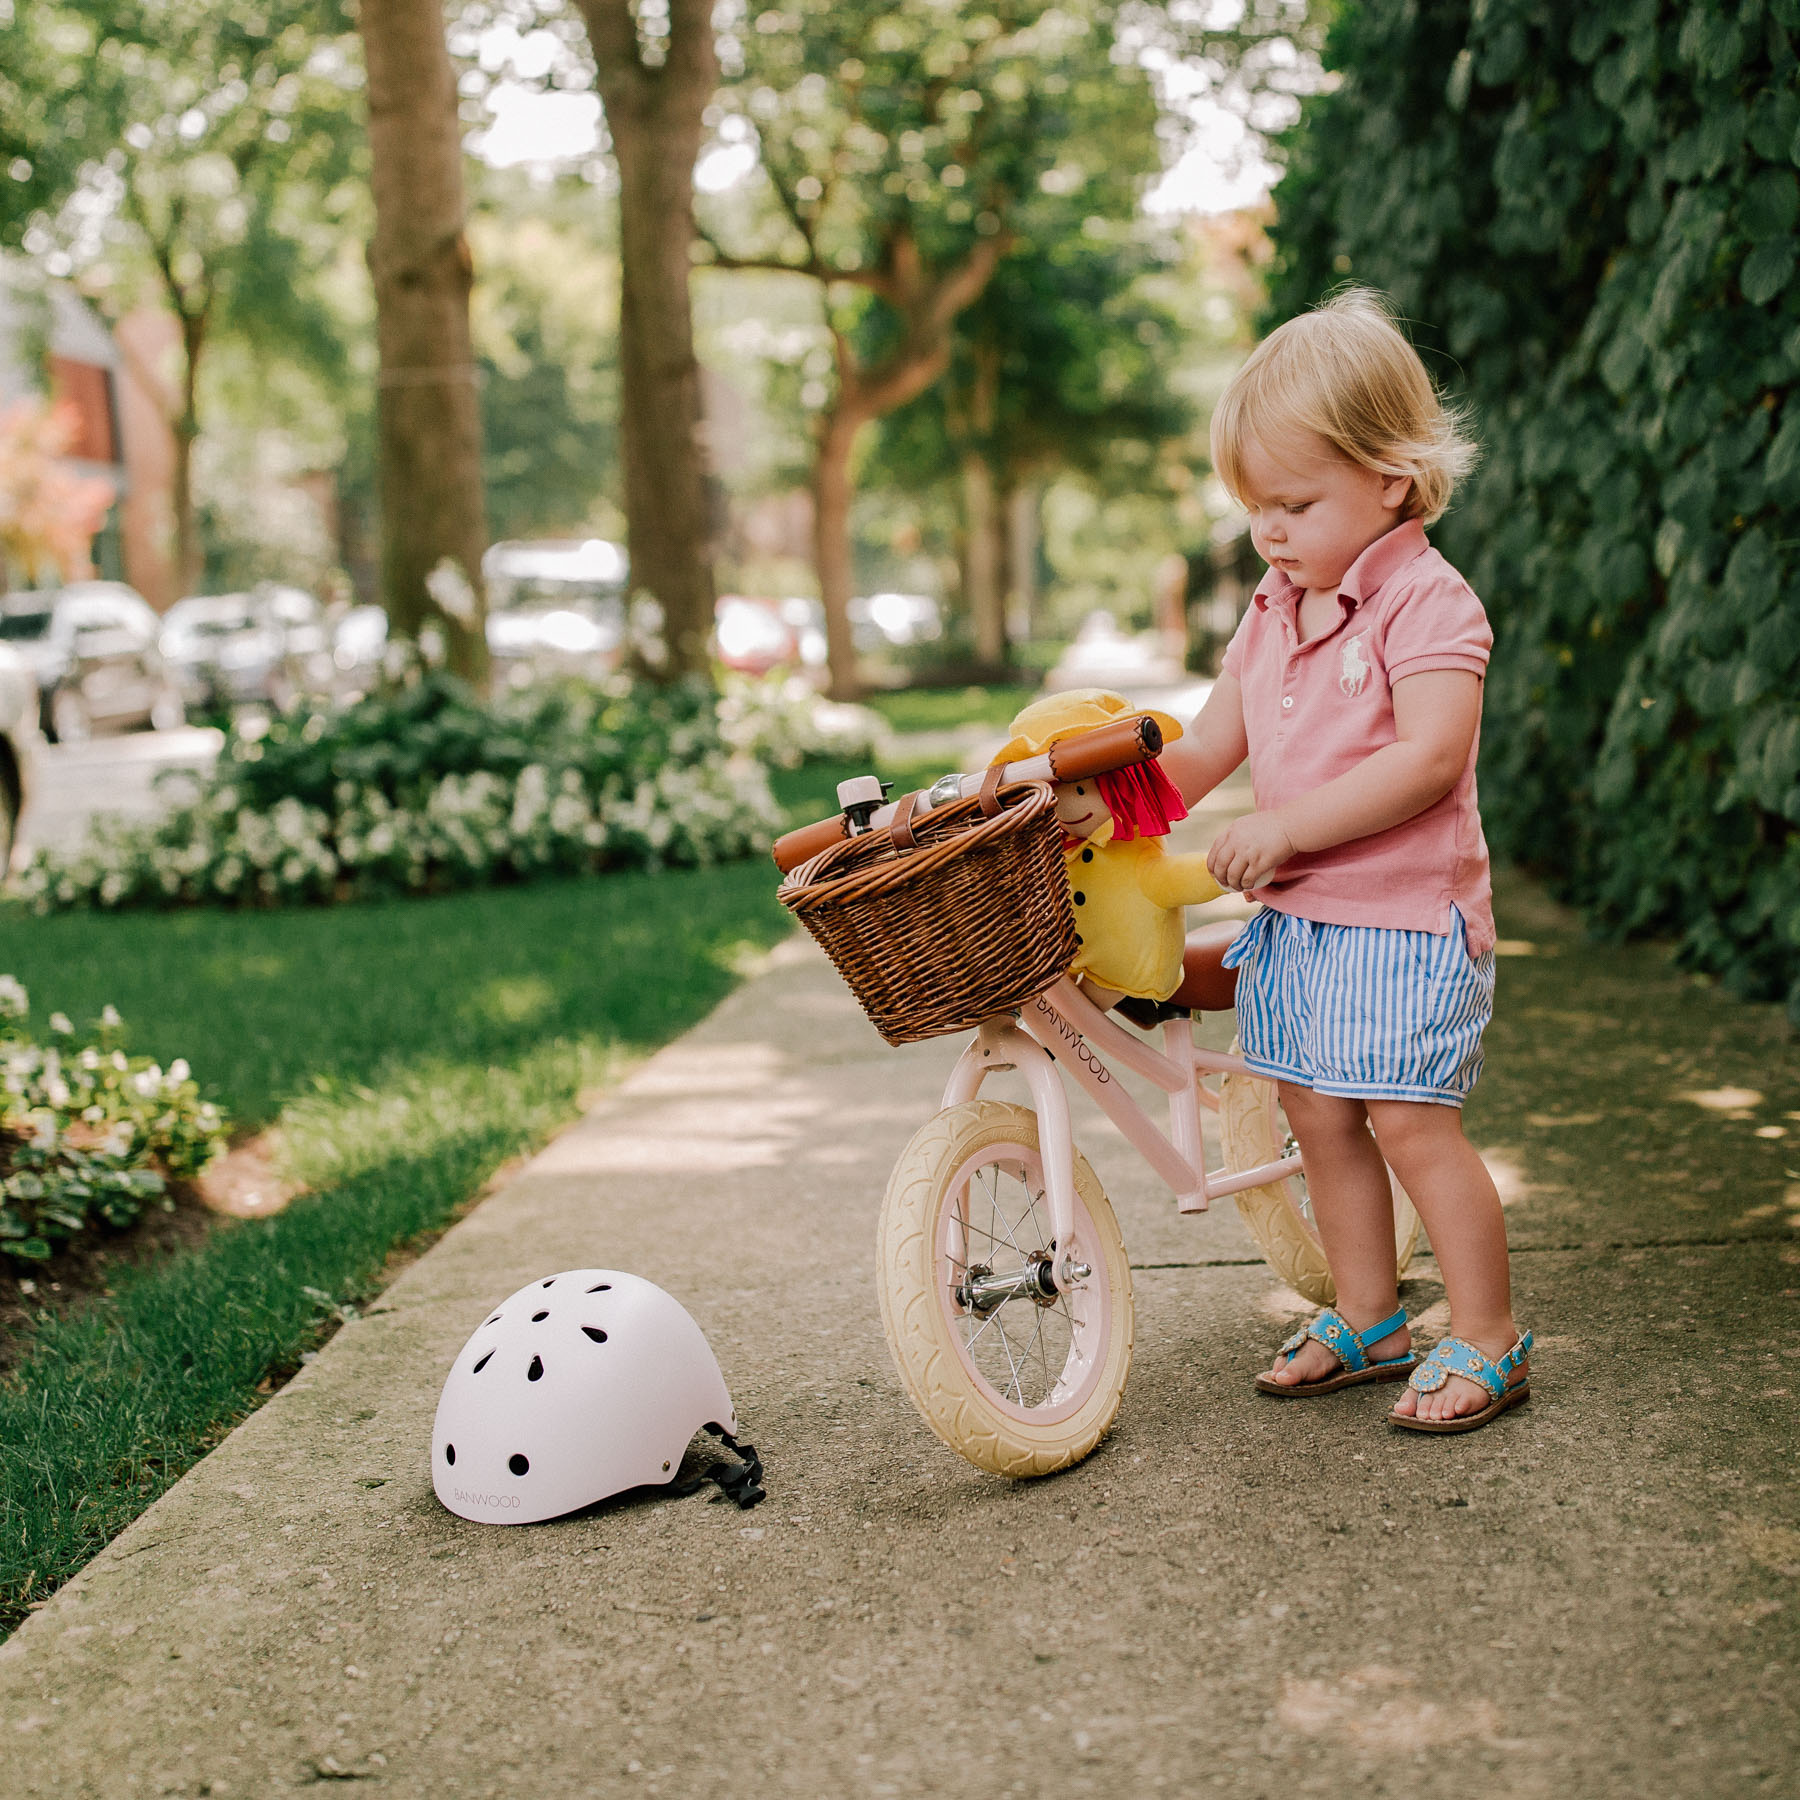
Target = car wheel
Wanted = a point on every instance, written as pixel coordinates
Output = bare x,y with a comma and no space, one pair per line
70,721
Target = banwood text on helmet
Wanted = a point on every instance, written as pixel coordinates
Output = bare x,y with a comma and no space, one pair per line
579,1386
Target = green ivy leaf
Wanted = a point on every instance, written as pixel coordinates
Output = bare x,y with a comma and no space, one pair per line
1766,271
1770,204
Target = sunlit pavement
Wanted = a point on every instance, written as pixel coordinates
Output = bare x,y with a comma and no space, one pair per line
76,782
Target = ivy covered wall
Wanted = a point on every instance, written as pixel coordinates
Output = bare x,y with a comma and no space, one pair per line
1589,213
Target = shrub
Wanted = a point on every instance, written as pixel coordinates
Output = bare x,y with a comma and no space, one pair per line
426,789
88,1135
1594,209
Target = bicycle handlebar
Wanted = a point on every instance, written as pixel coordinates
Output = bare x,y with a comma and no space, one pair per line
1120,745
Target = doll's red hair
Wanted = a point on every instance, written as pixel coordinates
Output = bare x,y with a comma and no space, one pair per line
1142,800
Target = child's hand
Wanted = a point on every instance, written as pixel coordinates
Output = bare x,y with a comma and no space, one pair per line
1248,851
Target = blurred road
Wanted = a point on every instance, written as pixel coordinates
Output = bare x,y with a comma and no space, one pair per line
74,782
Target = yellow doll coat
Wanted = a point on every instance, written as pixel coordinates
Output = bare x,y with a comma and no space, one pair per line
1128,900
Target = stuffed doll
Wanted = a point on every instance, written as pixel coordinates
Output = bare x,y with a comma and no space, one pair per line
1128,893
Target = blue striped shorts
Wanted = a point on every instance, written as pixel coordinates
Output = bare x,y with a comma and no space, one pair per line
1364,1011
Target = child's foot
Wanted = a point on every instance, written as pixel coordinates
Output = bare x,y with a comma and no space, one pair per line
1313,1362
1457,1398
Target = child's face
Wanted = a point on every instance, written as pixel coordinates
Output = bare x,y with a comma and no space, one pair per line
1079,808
1313,512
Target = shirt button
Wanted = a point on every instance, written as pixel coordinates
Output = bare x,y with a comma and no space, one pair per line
1287,700
1080,898
1087,856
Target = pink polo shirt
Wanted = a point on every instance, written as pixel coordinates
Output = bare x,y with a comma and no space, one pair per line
1314,710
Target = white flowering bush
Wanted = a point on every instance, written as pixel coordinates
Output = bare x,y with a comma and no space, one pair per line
88,1135
427,789
783,722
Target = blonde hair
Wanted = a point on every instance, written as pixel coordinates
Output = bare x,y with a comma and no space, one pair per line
1346,373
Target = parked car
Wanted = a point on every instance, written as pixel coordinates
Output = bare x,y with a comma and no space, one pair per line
555,606
265,647
894,621
358,645
93,647
306,638
756,635
19,741
222,652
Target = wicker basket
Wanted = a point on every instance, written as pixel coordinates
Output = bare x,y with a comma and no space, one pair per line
939,923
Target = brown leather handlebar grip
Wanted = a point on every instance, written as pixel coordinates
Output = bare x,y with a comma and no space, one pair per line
805,842
1121,745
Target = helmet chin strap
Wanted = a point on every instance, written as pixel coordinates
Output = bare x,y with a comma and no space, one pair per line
740,1481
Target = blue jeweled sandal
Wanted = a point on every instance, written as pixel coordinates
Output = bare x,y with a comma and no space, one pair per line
1455,1356
1351,1348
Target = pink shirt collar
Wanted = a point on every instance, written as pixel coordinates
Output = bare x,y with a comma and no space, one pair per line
1364,579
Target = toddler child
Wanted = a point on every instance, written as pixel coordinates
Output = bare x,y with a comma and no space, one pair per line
1365,982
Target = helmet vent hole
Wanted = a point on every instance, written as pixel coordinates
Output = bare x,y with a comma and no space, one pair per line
548,1283
518,1464
482,1364
535,1317
604,1287
536,1371
449,1453
595,1333
495,1320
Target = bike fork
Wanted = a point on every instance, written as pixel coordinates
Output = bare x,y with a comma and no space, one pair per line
1000,1044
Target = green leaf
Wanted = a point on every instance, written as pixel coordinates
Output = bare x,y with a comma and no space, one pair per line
1766,271
1774,118
1770,204
1752,575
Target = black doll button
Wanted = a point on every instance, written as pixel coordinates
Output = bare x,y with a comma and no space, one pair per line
1080,898
1087,856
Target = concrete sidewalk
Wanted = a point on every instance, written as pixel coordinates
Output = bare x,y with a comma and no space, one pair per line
1596,1597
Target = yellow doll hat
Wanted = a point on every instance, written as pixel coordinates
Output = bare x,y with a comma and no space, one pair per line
1052,718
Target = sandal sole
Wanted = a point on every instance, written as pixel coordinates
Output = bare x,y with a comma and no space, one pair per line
1306,1390
1469,1421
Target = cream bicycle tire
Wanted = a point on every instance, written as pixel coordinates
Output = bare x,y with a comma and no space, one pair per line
923,1321
1250,1129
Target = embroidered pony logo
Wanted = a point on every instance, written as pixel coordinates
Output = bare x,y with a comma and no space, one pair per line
1356,667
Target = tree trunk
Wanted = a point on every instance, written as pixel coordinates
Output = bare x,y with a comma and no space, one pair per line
190,560
1023,509
433,515
982,552
654,112
831,546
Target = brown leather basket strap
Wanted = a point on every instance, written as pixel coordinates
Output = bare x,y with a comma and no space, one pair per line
901,830
1121,745
989,795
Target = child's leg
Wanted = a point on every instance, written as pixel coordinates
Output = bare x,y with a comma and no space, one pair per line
1354,1208
1457,1199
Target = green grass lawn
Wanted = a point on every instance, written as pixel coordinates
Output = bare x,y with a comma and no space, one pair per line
405,1050
943,709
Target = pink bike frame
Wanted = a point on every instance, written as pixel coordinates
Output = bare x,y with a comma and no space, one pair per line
1054,1029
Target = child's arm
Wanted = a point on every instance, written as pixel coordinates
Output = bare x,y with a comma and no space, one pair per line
1435,713
1212,746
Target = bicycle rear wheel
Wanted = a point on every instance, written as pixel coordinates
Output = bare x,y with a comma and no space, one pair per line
1013,1364
1254,1130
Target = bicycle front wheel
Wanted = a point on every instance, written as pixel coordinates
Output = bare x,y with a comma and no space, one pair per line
1254,1130
1013,1364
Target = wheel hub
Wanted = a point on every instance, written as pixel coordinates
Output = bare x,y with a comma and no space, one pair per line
982,1290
